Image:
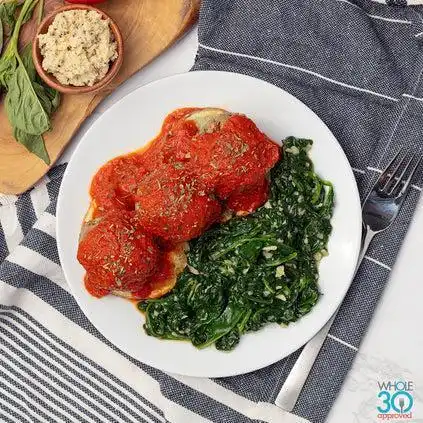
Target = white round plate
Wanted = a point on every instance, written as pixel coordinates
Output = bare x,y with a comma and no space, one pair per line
137,119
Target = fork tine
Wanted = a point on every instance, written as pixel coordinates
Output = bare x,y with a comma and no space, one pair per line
410,177
398,180
382,178
391,175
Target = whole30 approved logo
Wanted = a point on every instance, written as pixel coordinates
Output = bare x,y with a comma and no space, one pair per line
395,400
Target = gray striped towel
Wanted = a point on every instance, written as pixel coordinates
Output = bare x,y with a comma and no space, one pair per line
400,2
358,65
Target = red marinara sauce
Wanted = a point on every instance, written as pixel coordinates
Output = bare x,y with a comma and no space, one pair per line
117,254
175,206
145,204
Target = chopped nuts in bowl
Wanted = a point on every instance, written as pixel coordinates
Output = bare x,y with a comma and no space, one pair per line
78,49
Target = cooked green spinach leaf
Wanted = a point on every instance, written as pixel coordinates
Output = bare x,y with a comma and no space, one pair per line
252,270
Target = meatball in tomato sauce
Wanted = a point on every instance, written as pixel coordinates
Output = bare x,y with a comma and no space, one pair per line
114,185
175,207
224,151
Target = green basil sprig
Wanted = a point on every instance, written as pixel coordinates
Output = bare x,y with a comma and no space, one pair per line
29,103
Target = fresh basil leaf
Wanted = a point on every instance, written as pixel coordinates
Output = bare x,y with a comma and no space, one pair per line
26,56
40,13
8,61
43,97
33,143
8,14
23,107
54,97
27,103
7,69
28,15
1,35
49,97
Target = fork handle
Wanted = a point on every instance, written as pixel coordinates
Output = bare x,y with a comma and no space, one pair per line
294,383
367,239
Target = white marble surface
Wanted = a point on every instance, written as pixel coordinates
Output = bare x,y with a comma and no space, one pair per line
393,346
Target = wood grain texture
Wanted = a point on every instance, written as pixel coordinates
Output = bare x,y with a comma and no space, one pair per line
148,27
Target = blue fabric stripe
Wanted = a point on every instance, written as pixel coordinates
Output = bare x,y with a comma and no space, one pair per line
12,402
24,382
52,207
80,375
95,397
57,172
42,243
26,213
48,291
4,252
82,359
197,401
32,364
335,359
53,189
6,413
17,392
370,281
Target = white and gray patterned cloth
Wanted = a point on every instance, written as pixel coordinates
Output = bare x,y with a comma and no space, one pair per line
400,2
358,65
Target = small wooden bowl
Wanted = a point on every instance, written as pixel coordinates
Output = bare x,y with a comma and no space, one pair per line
50,80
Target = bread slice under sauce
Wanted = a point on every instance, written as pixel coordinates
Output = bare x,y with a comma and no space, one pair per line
179,261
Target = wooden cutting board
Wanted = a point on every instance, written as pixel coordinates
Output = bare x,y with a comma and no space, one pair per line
148,27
